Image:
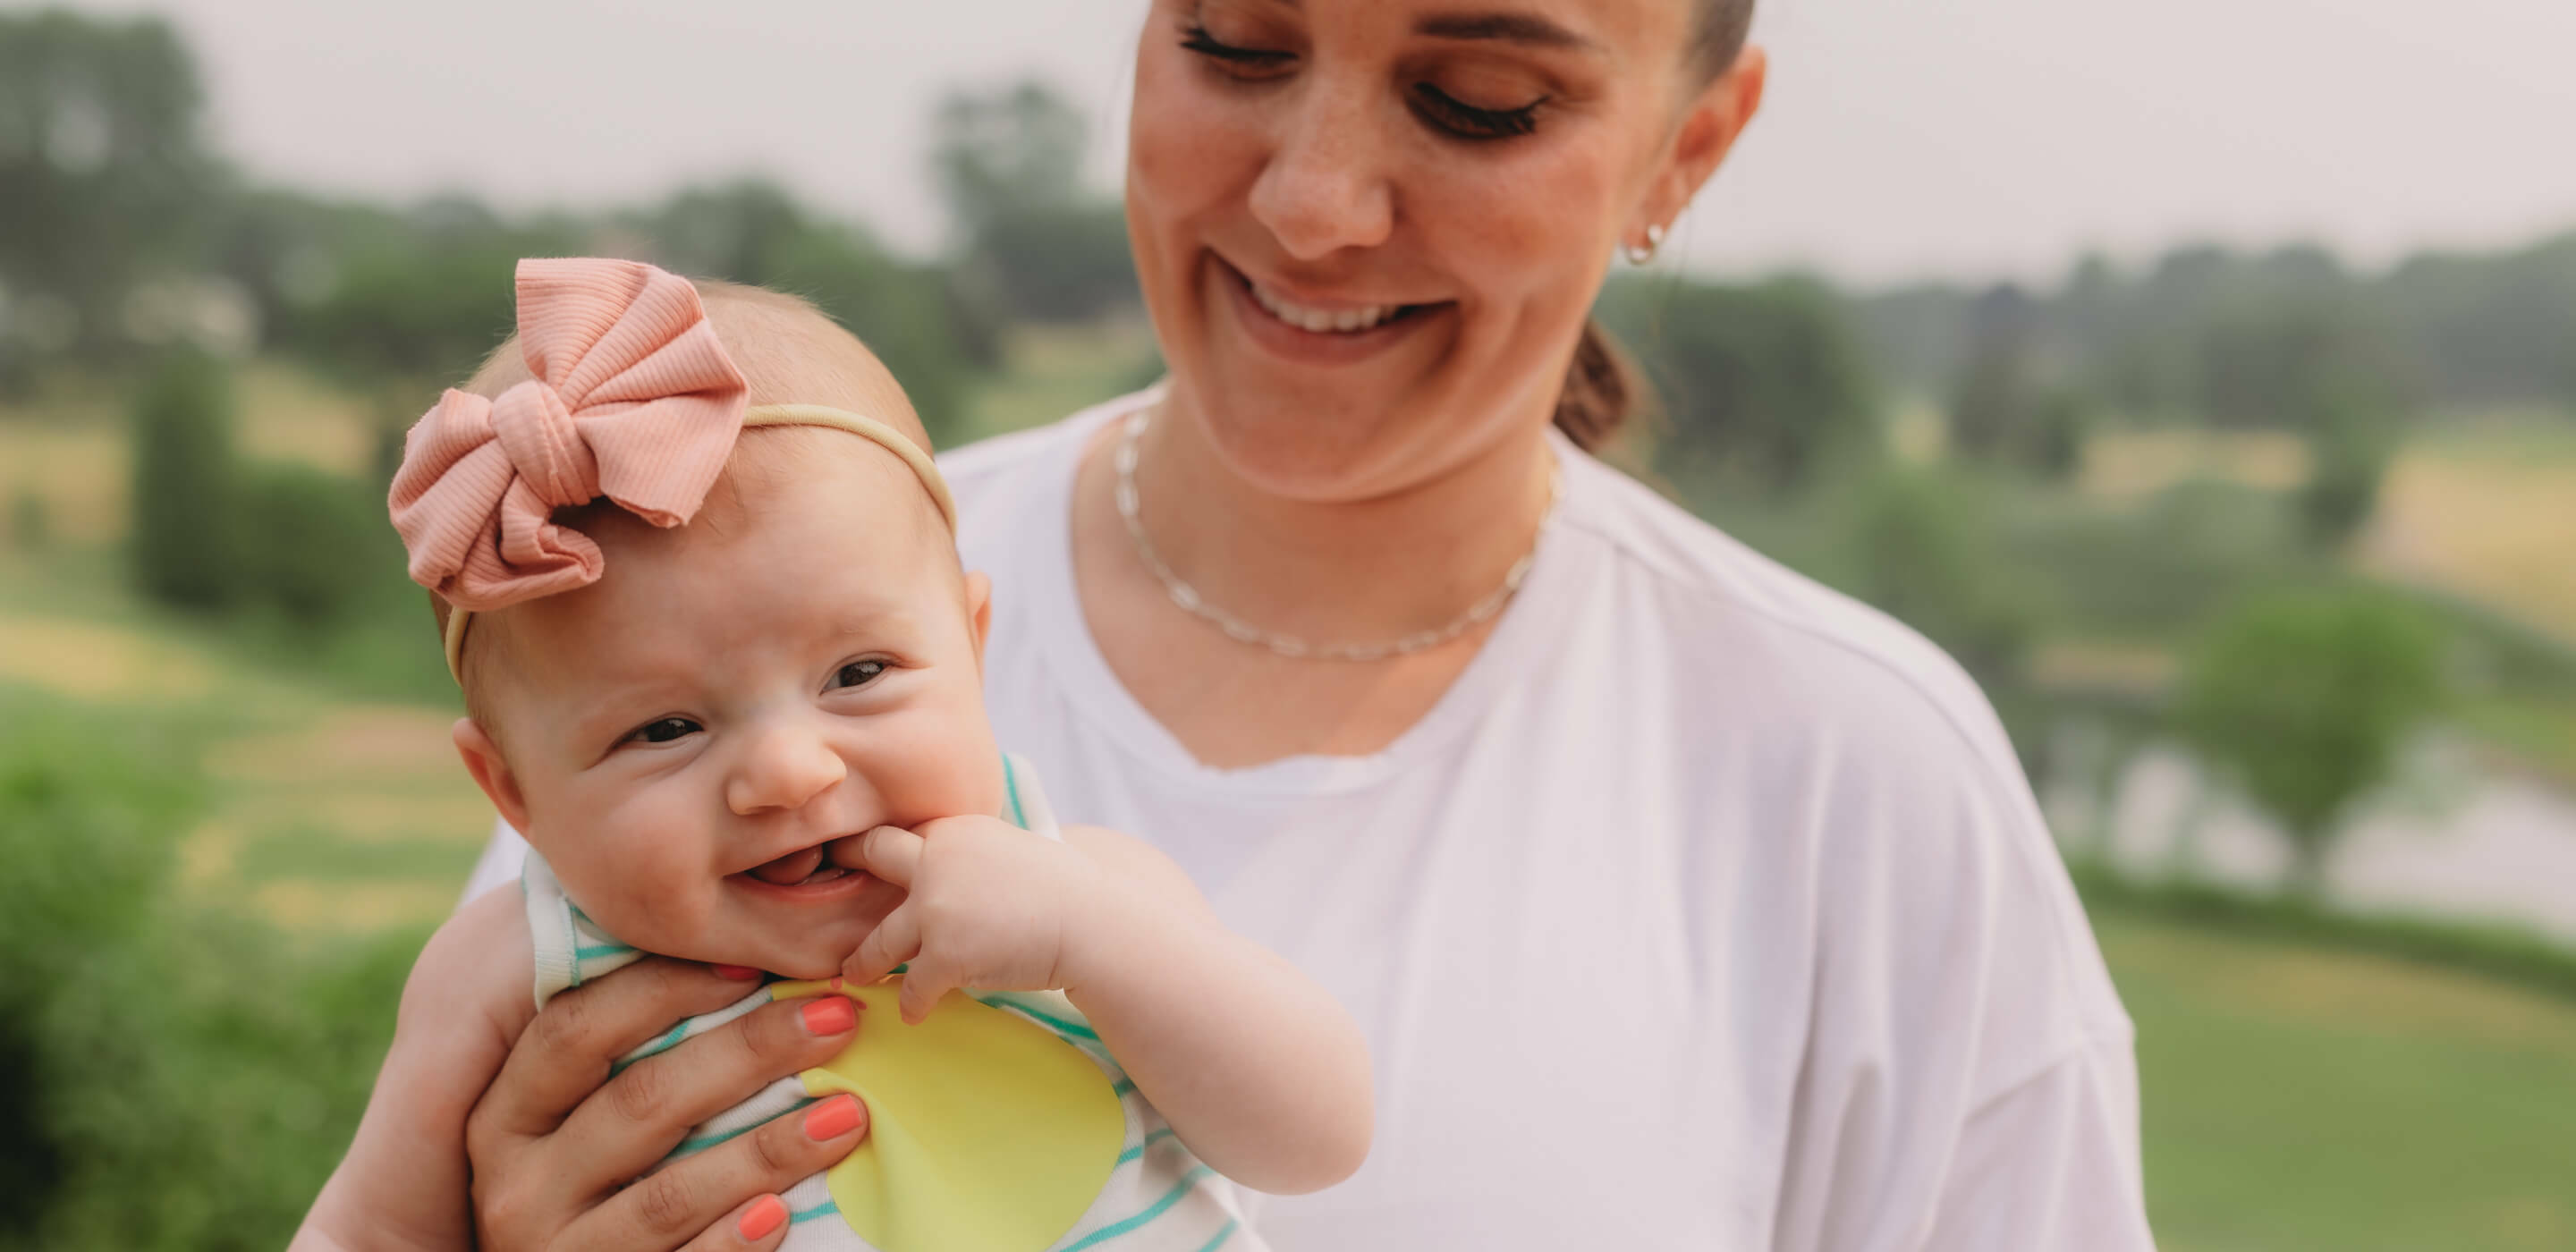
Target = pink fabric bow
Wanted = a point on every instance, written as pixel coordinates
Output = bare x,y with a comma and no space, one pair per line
633,399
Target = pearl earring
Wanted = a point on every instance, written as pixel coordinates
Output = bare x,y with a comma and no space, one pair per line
1639,254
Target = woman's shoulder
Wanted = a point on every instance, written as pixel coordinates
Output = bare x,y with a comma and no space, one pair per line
1816,662
1893,778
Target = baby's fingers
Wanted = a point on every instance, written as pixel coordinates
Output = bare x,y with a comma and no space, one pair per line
923,985
896,940
889,852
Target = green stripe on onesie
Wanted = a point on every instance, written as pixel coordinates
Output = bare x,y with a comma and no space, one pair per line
999,1124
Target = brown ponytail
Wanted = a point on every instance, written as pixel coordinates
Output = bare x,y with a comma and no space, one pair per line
1602,390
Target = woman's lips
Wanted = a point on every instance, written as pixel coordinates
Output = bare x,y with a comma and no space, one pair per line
1290,328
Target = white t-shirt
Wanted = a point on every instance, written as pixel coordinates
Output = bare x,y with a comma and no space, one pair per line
1708,909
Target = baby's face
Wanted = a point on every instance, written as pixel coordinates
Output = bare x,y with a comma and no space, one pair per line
687,732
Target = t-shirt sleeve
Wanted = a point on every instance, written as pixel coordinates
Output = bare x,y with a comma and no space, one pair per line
2052,1163
499,864
1968,1080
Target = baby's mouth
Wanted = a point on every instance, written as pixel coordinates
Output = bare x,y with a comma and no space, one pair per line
803,867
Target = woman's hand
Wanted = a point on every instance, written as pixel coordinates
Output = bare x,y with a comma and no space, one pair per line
556,1142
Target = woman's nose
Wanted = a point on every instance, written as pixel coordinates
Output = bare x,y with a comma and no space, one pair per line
781,768
1325,188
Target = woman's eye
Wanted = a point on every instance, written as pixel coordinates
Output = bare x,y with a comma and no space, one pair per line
664,730
1467,121
858,673
1235,58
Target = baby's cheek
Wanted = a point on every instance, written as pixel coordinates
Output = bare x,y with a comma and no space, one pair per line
643,881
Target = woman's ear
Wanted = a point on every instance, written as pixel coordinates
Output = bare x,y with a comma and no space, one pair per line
979,612
1708,131
491,772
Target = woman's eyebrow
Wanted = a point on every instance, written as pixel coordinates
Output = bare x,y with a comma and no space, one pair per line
1528,28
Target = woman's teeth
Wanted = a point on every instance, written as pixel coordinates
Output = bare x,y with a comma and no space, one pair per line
1323,321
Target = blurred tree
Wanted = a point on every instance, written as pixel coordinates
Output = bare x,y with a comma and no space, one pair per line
1007,149
2302,700
183,499
911,316
1923,547
1009,164
314,546
397,305
103,171
2004,412
1763,385
31,527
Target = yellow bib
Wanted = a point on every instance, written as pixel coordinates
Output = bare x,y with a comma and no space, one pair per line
987,1132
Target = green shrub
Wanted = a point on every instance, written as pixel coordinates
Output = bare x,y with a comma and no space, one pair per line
314,545
31,524
174,1078
183,472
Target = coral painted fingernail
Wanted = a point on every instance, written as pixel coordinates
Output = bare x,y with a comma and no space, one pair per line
830,1015
738,973
767,1214
832,1118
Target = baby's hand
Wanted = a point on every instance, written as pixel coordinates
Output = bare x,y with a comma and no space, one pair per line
987,905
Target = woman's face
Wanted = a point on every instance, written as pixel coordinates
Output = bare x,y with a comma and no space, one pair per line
1370,231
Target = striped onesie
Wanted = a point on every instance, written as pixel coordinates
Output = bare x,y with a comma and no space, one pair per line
999,1124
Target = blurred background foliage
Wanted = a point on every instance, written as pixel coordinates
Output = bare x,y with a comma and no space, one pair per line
2269,564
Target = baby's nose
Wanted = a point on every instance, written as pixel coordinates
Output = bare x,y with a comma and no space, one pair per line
782,768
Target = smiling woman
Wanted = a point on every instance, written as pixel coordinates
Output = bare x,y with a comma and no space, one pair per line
1683,902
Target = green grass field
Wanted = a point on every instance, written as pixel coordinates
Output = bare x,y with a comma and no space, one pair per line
2298,1098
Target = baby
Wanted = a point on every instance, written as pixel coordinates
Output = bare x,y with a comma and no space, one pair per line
696,575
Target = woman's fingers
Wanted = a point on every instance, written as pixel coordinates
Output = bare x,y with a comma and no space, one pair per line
645,1110
699,1195
759,1225
571,1043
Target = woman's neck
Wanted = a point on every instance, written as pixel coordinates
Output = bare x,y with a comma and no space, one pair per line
1358,572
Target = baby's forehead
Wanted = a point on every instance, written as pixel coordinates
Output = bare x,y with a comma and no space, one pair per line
851,523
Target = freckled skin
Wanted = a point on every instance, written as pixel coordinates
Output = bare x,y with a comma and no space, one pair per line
1329,173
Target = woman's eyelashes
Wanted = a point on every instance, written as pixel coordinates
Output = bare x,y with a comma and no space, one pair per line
1437,108
1467,121
1234,57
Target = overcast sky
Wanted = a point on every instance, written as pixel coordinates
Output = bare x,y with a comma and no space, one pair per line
1903,138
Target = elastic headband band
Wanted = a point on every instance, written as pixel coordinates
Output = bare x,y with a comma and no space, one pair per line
867,428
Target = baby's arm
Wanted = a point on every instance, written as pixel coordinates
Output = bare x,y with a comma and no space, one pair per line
404,1182
1259,1071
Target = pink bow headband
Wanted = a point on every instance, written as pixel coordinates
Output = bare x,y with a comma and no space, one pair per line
632,398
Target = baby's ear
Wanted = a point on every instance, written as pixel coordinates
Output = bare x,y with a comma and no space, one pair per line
979,612
491,772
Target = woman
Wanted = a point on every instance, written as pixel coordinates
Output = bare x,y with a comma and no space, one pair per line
1686,903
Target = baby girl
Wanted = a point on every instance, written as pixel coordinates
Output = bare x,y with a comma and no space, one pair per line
696,575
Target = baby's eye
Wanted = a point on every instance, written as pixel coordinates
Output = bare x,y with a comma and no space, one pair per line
858,673
663,730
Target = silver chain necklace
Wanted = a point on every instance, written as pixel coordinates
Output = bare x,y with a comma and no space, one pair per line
1189,599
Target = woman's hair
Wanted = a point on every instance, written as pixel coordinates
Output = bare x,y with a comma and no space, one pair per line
1602,387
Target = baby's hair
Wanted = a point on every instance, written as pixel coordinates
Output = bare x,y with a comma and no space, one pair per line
789,351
